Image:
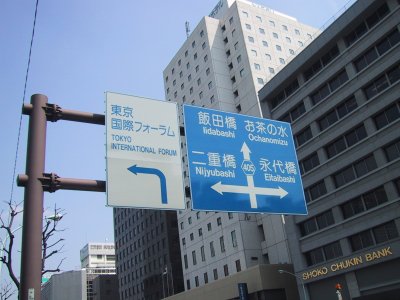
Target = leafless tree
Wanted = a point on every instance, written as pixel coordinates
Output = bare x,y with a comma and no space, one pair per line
6,291
50,244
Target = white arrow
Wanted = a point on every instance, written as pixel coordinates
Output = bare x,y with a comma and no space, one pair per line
246,151
240,189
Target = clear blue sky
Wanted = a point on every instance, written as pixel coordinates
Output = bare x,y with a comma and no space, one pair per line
82,49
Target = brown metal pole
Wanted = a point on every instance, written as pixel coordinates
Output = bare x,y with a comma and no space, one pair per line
31,262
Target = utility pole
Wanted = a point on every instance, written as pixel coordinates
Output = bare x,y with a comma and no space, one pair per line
31,256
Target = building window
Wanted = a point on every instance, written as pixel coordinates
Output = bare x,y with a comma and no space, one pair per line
238,266
205,58
226,270
203,46
205,275
202,253
259,19
261,30
183,242
248,26
245,13
219,222
303,136
222,244
202,33
215,272
188,284
195,56
194,258
392,150
374,236
265,44
212,250
345,141
201,95
185,260
279,48
256,66
324,253
316,223
315,191
236,45
193,44
197,68
191,236
254,52
297,32
309,163
364,202
239,59
230,20
387,116
209,227
251,39
233,237
260,80
191,90
294,113
271,70
329,87
382,82
271,23
282,61
288,40
322,62
241,72
210,85
337,113
275,35
356,170
200,231
291,52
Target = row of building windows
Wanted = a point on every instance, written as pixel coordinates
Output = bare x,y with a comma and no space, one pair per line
384,45
379,49
212,250
350,208
368,238
377,85
383,118
214,273
366,25
270,22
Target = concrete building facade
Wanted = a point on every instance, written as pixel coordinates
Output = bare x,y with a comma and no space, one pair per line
341,96
227,58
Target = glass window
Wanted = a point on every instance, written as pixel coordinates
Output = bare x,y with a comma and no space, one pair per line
233,237
261,30
251,39
248,26
279,48
275,35
212,250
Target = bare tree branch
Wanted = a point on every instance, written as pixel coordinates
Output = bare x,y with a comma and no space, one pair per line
50,229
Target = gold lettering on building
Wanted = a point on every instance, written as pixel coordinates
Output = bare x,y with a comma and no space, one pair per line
378,254
347,263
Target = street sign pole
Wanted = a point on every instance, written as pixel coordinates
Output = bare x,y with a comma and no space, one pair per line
31,256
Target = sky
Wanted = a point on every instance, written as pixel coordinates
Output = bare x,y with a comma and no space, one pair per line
81,49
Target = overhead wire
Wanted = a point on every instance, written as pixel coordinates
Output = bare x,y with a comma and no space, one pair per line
23,101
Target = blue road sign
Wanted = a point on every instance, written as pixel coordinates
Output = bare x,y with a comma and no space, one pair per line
241,163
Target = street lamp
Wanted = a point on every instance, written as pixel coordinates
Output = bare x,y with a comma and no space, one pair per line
299,278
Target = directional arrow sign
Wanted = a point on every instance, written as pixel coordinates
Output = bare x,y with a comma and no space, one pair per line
143,153
238,189
241,163
163,182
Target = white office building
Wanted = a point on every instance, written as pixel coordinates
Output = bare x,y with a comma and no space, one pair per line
227,58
